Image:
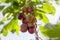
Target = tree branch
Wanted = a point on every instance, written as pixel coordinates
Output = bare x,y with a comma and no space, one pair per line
36,33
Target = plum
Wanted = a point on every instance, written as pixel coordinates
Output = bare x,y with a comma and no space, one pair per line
31,30
24,27
21,15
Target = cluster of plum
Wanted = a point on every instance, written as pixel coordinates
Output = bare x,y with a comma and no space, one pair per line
28,21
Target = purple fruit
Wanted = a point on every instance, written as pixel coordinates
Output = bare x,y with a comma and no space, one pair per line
24,27
21,15
31,30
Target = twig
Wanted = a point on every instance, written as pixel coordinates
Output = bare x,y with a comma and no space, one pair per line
36,33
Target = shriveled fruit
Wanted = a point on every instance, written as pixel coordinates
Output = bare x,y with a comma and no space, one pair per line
24,27
21,15
31,30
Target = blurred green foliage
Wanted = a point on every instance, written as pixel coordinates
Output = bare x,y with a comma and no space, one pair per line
51,33
16,7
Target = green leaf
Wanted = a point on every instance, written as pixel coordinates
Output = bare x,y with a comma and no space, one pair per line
15,26
57,25
38,1
12,26
1,22
49,8
6,17
51,33
8,10
2,1
13,31
21,3
15,5
57,2
46,1
17,29
11,10
41,11
5,32
49,26
33,0
7,1
43,30
45,19
1,8
38,17
31,4
40,14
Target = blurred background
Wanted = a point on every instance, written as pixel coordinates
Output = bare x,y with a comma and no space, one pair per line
26,36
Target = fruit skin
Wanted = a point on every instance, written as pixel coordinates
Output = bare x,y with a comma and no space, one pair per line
24,27
30,9
31,30
21,15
